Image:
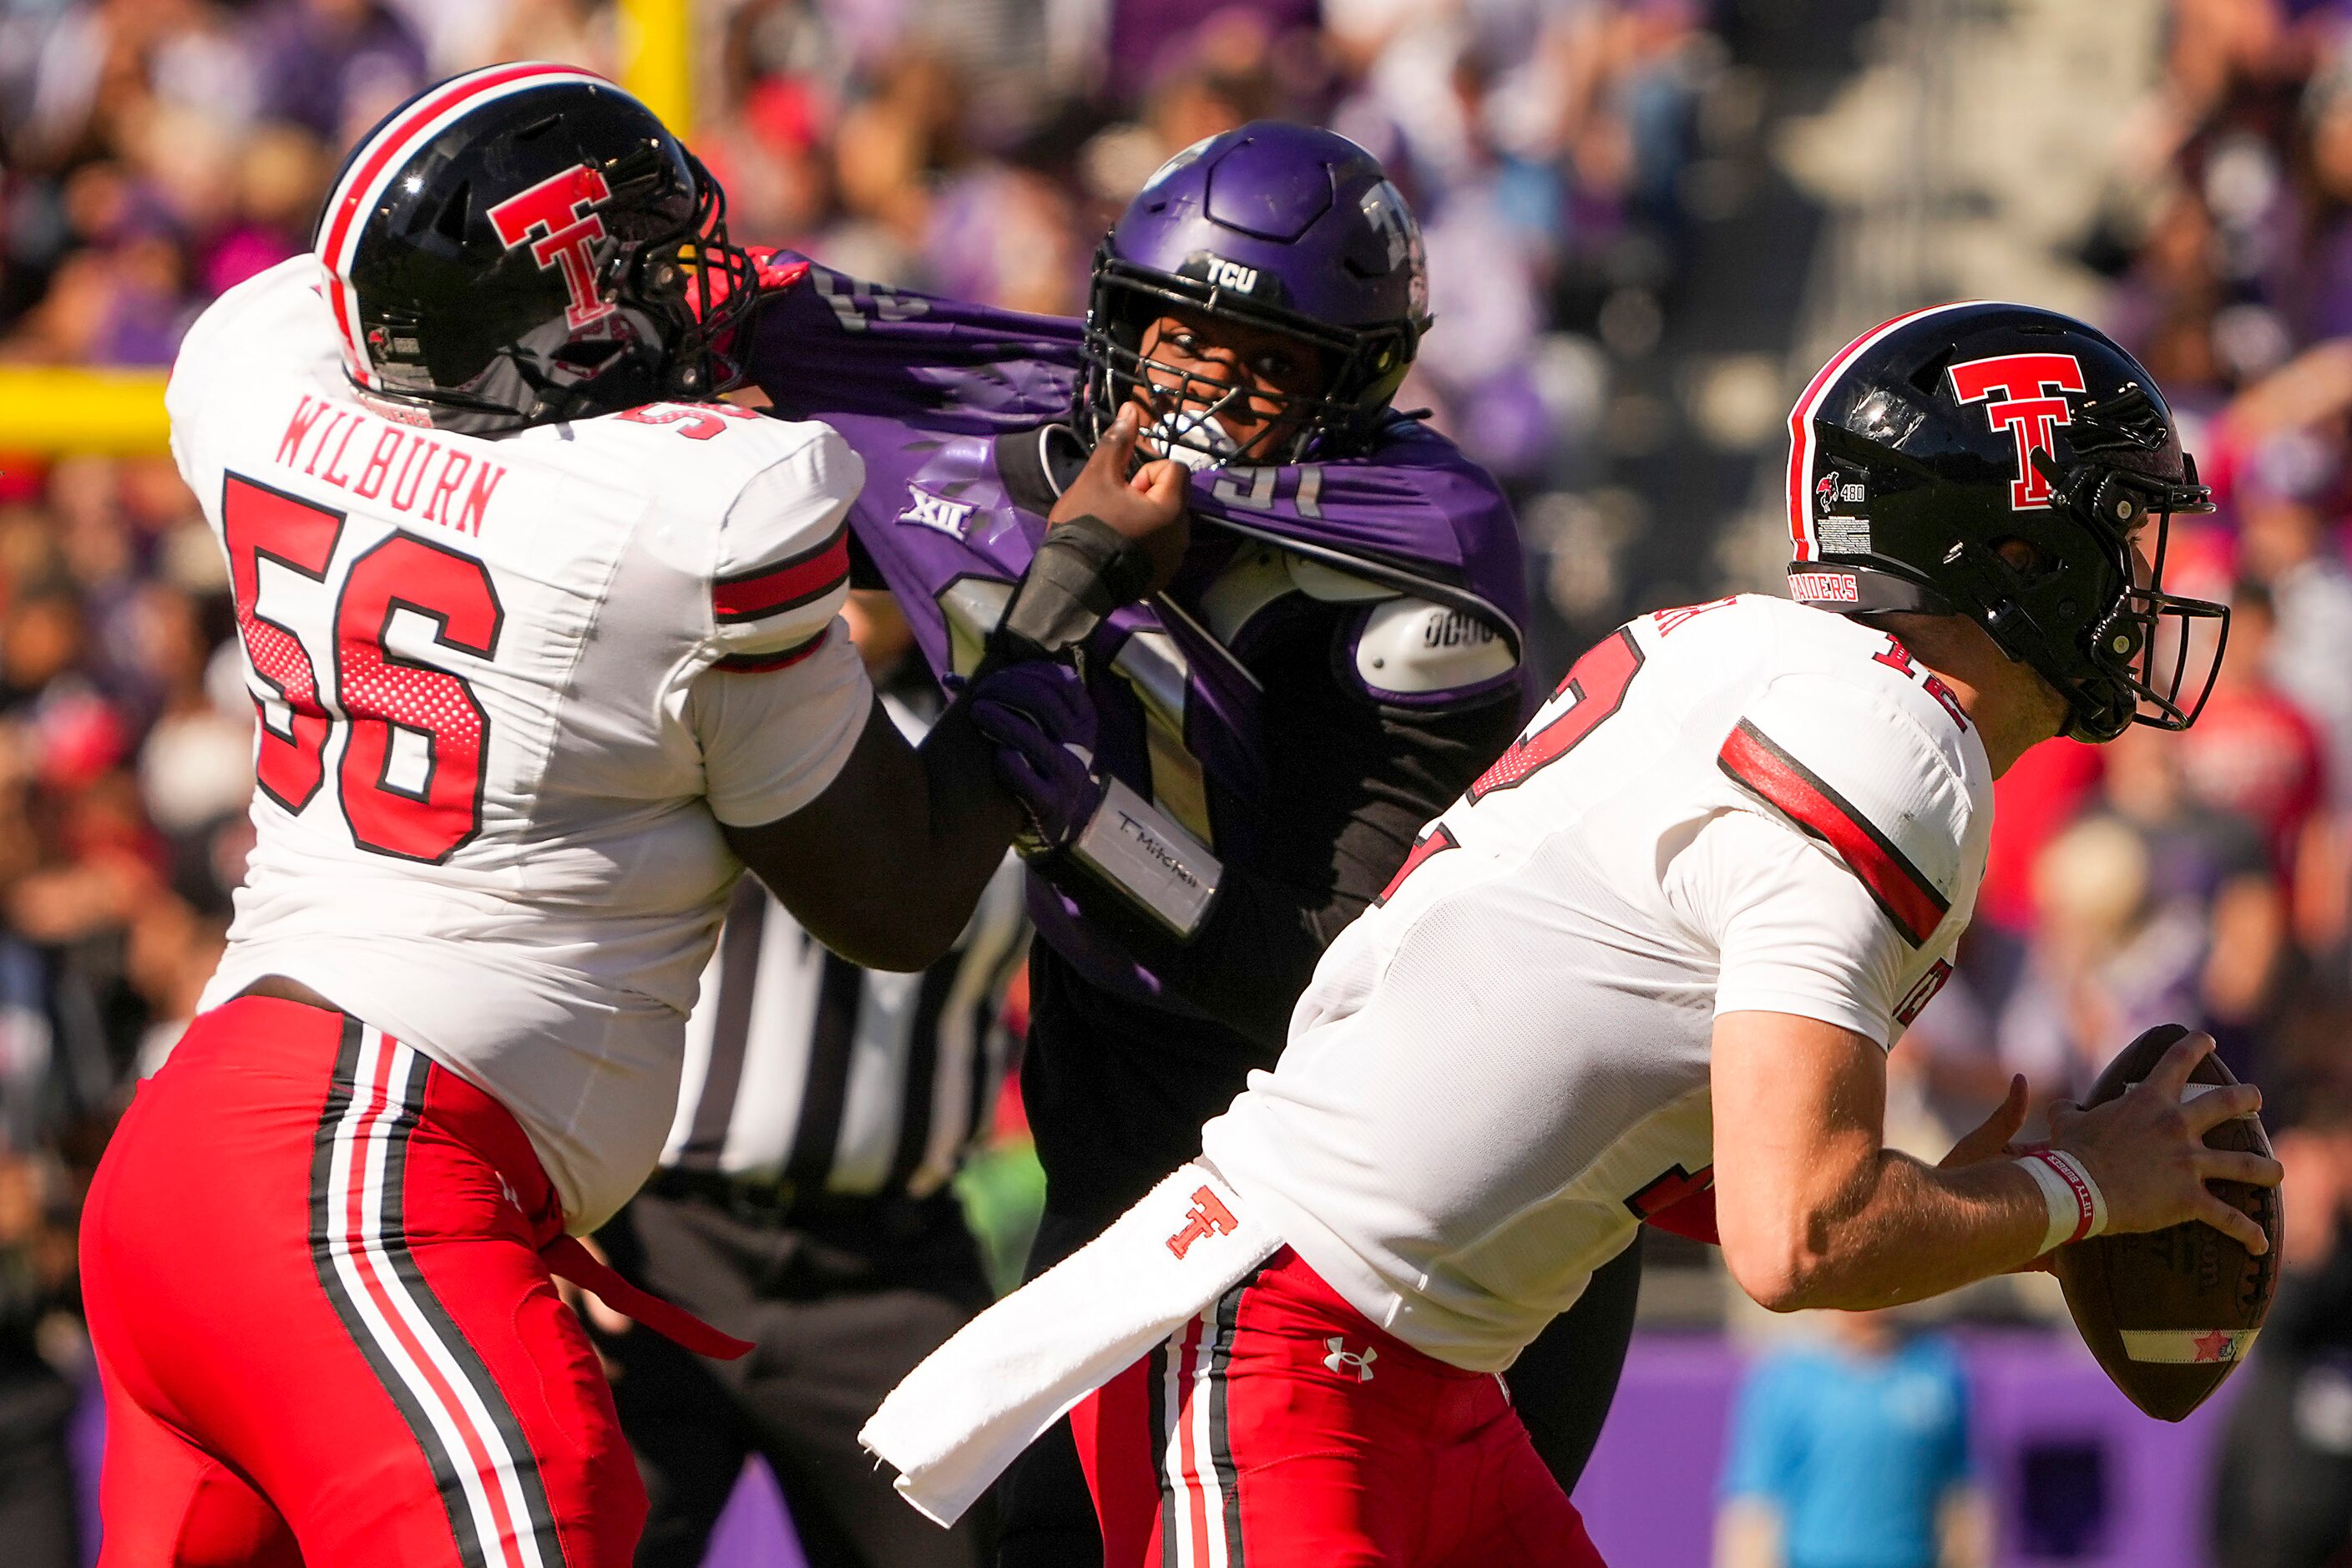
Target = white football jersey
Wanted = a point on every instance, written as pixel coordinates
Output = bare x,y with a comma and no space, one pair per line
508,689
1502,1068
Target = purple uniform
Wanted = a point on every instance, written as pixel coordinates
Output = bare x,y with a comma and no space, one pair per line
1332,666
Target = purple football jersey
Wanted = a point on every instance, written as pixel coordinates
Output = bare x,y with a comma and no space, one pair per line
955,410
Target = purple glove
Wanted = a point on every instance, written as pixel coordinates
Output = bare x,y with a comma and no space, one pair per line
1042,723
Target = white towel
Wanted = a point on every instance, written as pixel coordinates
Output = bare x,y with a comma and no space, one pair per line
972,1406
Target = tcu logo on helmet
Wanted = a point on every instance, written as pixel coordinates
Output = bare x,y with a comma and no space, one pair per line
560,209
2021,394
1227,274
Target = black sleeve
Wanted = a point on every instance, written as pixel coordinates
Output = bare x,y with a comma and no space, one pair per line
1351,783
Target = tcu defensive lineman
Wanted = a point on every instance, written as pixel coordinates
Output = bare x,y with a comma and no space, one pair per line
1254,750
1664,943
545,652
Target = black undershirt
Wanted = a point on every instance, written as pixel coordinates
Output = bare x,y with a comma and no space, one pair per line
1116,1089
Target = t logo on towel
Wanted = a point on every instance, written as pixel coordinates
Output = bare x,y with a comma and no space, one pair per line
1207,1216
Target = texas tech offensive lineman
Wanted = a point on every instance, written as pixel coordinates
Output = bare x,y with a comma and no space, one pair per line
544,650
1665,940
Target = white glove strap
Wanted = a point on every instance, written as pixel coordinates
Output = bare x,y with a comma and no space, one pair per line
2077,1208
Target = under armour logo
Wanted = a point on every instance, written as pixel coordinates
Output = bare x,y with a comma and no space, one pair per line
508,1192
1207,1216
928,511
1343,1360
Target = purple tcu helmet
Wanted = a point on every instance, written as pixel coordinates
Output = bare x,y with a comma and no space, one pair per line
1276,225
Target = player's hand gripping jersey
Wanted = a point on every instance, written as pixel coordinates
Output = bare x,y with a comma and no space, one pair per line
1501,1071
1339,654
509,691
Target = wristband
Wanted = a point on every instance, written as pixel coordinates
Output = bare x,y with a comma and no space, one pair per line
1082,570
2078,1210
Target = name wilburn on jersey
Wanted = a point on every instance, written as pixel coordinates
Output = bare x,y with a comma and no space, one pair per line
390,464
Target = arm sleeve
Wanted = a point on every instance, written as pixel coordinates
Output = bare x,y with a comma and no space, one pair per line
1795,930
1351,783
1849,763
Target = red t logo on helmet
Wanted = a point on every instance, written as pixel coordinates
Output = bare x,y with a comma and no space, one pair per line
2027,405
560,210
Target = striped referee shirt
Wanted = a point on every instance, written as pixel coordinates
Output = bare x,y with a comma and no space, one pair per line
802,1068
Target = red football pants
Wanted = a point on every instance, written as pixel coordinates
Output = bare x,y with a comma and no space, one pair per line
326,1333
1281,1427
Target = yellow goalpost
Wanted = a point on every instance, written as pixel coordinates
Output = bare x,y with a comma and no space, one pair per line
48,410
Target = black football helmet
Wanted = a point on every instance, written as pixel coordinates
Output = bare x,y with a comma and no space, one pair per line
1930,441
525,244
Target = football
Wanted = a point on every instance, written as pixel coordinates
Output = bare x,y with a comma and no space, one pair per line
2170,1312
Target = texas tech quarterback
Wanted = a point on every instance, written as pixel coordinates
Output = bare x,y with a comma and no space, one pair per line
1661,948
544,652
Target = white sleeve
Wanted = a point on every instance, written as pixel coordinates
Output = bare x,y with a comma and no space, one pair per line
771,742
1794,930
1844,762
783,568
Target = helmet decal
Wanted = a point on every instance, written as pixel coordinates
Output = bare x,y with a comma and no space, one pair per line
1383,207
558,218
374,162
2029,407
1803,541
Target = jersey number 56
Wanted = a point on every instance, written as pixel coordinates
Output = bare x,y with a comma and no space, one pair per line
410,782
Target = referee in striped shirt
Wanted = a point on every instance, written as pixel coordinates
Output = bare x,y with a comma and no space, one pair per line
802,1204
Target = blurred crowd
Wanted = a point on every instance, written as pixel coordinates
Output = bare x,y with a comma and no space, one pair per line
2207,878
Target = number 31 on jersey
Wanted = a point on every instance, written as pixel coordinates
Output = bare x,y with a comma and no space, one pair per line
410,780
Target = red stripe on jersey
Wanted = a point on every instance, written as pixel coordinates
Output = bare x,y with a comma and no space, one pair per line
775,589
1907,895
761,663
1440,837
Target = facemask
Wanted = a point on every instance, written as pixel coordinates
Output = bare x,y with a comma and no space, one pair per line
1192,436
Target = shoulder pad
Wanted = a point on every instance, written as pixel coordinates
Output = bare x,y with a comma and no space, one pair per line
1331,585
1858,768
1263,574
275,324
1411,650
